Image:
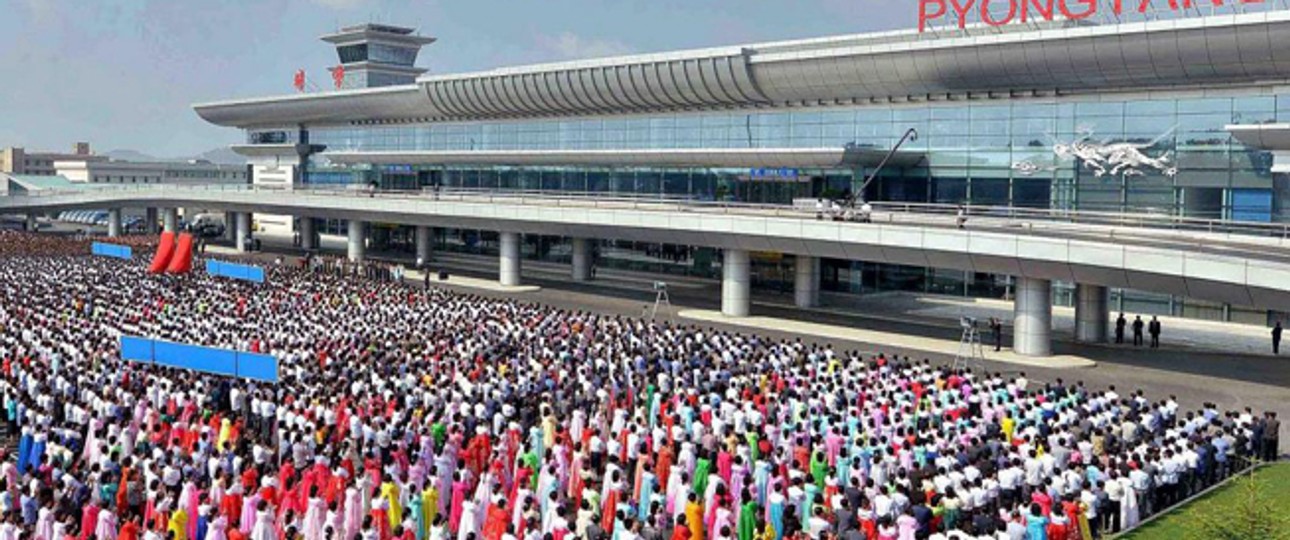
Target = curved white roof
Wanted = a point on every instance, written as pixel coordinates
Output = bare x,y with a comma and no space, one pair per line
1226,49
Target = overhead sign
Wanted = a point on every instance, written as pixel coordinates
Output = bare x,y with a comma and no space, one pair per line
783,174
1001,12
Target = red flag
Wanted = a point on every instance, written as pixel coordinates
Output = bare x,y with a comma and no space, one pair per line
299,81
338,76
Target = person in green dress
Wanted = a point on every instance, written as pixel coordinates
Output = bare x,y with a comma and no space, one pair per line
702,468
748,518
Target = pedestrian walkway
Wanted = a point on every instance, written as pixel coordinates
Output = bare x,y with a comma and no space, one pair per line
1179,334
467,282
890,339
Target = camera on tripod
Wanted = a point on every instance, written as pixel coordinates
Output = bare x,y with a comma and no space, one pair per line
660,285
967,323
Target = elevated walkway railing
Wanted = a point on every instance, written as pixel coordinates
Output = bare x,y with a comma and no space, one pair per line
893,212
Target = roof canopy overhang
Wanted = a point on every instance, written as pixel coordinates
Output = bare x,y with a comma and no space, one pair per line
846,158
29,183
868,68
279,150
1272,137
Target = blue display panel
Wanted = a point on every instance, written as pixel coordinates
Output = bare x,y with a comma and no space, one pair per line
111,250
225,362
137,349
244,272
260,367
208,360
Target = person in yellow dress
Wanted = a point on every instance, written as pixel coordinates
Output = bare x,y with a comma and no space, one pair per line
390,492
225,431
178,525
1085,530
694,516
429,503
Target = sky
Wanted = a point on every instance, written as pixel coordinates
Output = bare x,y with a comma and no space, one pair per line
123,74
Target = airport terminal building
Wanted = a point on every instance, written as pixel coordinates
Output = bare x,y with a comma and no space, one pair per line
1184,116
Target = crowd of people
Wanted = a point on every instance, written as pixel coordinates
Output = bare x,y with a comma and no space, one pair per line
405,413
339,266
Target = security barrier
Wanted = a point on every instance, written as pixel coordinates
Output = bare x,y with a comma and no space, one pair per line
243,272
111,250
259,367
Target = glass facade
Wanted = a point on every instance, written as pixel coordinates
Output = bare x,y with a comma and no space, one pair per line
350,54
388,54
377,52
1168,155
1031,153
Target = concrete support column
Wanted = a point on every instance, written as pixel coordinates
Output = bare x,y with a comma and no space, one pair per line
582,259
150,221
242,222
1033,318
1092,313
114,222
230,226
806,282
31,224
170,217
424,237
736,283
509,267
357,240
308,234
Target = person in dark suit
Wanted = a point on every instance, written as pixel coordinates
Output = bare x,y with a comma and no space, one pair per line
996,328
844,520
1154,330
1120,323
1137,331
1271,436
1276,339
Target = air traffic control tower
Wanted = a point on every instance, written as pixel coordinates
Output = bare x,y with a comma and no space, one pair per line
376,55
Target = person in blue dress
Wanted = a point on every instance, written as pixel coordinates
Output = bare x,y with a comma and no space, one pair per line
1036,524
24,449
37,456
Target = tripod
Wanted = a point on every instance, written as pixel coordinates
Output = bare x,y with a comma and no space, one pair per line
970,348
660,299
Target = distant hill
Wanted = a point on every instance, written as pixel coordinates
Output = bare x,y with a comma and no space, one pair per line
222,155
131,155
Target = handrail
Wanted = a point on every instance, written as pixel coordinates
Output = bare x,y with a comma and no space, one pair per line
1011,215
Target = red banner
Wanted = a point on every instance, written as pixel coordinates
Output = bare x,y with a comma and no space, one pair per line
338,76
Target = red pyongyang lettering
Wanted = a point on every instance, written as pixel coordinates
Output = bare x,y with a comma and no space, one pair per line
1090,8
1045,9
1039,10
924,15
990,20
961,10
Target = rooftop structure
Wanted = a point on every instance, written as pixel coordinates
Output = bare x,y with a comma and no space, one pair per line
376,55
